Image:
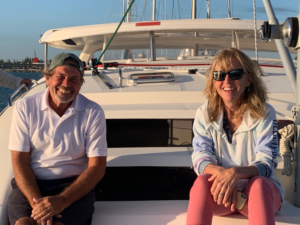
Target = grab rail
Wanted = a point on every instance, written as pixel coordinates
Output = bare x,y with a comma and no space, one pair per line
23,86
156,77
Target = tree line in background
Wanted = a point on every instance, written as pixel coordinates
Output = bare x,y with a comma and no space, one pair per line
27,60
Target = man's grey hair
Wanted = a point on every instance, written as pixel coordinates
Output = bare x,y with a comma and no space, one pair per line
49,73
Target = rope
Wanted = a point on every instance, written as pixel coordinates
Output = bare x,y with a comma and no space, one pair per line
285,148
255,36
112,37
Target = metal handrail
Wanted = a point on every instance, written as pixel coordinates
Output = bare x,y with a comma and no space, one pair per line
152,78
15,92
23,86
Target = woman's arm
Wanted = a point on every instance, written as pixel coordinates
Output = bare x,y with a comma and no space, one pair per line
204,152
266,149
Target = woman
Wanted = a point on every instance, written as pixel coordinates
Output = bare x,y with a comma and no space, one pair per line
235,145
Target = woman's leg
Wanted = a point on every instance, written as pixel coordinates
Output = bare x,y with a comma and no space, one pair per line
263,201
201,205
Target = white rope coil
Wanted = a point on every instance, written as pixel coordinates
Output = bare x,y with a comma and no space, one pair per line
285,148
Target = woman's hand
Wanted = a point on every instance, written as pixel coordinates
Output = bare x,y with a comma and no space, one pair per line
224,182
232,201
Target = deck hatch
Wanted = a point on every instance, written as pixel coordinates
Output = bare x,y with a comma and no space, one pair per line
153,77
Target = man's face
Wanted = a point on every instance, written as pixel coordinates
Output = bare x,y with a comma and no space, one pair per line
64,84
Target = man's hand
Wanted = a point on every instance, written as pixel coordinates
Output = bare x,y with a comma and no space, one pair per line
48,207
224,182
26,81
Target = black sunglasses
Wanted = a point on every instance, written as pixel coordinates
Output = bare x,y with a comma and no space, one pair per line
233,74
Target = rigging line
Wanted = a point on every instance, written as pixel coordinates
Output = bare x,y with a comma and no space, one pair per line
255,36
106,12
165,7
200,8
112,37
179,14
143,11
173,10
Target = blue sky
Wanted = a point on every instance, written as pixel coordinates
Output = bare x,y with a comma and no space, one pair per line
22,22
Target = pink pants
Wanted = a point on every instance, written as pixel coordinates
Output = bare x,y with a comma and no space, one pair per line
263,201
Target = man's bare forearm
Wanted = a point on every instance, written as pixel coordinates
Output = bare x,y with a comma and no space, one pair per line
85,182
24,176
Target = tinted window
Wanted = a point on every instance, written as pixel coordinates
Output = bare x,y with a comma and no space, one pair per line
122,133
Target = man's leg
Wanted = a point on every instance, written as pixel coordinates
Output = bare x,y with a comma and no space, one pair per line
80,212
25,221
19,209
57,223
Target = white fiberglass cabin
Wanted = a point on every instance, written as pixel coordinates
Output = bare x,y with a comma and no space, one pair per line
150,104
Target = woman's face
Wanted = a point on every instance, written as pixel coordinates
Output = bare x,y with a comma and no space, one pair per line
232,91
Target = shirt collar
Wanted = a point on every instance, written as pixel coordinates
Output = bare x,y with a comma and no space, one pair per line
78,104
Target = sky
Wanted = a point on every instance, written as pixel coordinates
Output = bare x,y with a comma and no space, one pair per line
23,22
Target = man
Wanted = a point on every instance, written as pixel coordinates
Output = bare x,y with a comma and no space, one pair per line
58,148
10,81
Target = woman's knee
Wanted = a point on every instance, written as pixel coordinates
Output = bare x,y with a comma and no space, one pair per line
258,183
201,183
258,180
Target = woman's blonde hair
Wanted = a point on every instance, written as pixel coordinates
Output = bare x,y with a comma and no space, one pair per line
255,97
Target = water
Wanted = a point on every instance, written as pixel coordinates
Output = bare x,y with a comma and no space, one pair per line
6,92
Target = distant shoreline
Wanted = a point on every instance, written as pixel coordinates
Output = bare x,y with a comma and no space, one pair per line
27,68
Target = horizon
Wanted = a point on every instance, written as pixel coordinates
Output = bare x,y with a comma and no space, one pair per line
19,37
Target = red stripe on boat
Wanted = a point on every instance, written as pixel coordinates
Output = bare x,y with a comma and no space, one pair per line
196,64
141,24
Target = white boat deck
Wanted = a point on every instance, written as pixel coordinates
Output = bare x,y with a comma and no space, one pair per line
172,213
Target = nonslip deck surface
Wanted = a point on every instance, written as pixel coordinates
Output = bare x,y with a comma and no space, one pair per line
172,213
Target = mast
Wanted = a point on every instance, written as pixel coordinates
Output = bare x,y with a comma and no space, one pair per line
208,8
195,49
124,8
153,11
129,13
228,6
194,9
46,56
297,158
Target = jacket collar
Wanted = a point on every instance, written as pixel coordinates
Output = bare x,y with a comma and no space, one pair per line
248,123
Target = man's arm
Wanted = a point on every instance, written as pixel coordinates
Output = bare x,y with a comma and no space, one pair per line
24,176
8,80
53,205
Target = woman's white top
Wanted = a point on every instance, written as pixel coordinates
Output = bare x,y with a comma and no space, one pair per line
254,142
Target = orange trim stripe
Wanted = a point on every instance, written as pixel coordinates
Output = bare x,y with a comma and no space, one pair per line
141,24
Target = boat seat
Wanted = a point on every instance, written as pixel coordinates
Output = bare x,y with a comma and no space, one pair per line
172,213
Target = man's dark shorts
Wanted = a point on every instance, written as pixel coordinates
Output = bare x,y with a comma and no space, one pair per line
79,213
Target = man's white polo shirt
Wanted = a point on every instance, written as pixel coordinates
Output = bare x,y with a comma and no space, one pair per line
59,146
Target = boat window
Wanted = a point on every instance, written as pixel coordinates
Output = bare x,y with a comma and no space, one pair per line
69,42
145,183
124,133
